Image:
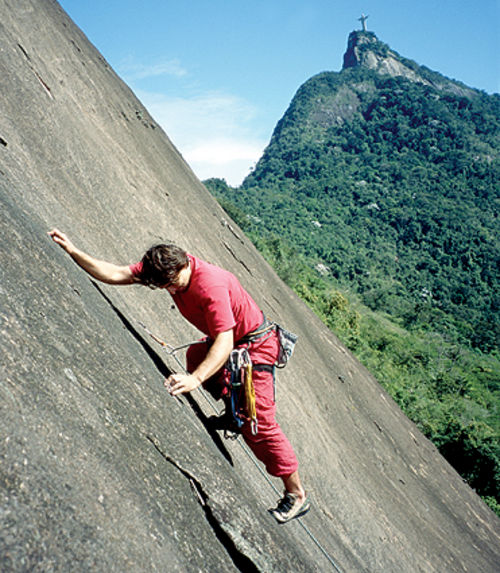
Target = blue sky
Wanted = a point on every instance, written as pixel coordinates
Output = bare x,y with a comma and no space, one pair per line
218,75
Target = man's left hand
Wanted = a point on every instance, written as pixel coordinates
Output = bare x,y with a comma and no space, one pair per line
181,383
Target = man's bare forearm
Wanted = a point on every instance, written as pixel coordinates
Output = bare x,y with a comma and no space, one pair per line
216,357
100,270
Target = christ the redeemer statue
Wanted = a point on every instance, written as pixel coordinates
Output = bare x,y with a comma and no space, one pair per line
363,20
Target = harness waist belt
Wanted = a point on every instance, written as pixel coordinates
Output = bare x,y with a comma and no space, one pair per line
263,329
263,367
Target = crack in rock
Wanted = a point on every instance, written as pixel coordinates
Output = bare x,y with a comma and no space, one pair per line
241,561
244,265
230,228
37,75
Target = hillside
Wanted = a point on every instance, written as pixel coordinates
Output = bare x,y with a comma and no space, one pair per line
396,180
102,470
382,180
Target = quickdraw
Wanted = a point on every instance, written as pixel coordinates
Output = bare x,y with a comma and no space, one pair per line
242,392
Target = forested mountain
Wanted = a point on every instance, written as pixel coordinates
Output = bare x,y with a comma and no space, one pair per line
391,182
377,199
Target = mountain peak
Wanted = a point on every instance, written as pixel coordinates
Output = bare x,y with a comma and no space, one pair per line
365,50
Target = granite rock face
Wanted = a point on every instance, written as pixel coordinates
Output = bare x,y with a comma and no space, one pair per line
100,469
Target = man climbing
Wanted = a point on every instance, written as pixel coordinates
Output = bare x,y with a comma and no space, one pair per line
213,300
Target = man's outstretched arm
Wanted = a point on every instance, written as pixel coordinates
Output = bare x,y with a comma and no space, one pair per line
100,270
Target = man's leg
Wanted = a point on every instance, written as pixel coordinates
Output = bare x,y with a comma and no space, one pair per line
270,445
293,485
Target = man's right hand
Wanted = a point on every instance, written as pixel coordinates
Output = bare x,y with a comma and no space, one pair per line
62,240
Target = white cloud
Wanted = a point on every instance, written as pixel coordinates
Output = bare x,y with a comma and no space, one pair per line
212,131
132,70
228,159
221,151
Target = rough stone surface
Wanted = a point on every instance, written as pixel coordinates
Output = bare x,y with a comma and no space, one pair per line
100,469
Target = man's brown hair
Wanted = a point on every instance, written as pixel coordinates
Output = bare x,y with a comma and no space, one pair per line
161,264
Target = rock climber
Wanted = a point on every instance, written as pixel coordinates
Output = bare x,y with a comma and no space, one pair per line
213,300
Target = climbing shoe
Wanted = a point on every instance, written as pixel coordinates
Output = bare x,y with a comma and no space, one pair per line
289,507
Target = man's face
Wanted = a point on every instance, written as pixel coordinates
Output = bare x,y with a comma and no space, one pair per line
181,281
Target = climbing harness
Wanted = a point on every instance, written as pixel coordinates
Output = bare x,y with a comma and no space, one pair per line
171,351
240,386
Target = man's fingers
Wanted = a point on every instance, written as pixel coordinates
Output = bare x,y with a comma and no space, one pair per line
181,383
55,234
177,388
174,384
61,239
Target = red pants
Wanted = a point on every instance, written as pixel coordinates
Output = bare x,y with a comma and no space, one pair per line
269,445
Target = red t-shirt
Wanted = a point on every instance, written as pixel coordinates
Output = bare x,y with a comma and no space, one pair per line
215,301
